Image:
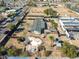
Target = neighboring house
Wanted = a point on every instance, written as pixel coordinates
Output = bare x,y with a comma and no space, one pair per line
70,26
14,3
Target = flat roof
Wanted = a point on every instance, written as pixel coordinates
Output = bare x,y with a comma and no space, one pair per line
38,25
71,23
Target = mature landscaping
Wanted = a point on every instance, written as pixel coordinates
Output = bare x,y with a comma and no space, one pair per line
69,50
12,51
54,24
51,12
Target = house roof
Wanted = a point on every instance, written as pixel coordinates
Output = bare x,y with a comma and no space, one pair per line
38,25
70,21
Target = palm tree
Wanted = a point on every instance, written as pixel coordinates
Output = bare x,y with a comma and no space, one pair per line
3,51
11,52
54,24
50,12
51,39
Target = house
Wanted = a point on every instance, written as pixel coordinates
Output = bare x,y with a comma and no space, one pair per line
70,25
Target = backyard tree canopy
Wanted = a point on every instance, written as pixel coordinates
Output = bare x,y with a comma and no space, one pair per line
51,12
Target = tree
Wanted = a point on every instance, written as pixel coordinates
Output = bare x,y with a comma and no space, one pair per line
51,39
21,39
51,12
11,52
54,24
11,26
14,52
1,48
47,53
24,54
11,15
41,48
3,51
18,52
31,3
69,50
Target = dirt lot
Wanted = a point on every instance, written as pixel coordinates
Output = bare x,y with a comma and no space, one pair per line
38,9
63,11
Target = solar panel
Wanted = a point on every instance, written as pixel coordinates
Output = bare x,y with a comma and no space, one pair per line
71,23
73,29
67,18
